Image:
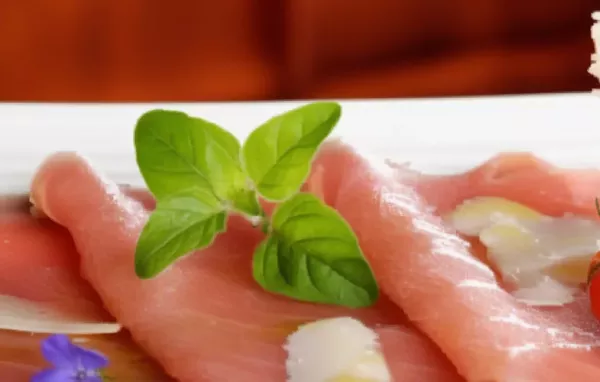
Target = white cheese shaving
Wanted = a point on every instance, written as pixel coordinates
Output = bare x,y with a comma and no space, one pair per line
335,349
546,292
542,259
28,316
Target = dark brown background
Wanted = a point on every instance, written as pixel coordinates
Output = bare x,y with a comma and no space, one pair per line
140,50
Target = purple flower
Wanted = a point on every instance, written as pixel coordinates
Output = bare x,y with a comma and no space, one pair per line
70,362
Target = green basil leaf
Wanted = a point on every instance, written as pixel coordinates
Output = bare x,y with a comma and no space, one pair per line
176,152
245,200
312,255
278,154
181,223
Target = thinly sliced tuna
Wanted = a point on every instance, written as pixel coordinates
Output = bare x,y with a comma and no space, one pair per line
204,319
444,289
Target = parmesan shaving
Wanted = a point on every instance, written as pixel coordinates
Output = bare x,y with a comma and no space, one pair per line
335,350
543,260
28,316
546,292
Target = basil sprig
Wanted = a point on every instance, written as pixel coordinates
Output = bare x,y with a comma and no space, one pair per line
199,174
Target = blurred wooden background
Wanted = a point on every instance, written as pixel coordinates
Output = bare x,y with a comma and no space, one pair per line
143,50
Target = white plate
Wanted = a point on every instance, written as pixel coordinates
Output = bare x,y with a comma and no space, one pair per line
435,135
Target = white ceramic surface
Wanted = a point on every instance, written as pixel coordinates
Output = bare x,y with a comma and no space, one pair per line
434,135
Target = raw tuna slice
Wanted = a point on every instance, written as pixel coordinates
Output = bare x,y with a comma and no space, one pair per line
40,264
37,264
446,291
204,318
521,177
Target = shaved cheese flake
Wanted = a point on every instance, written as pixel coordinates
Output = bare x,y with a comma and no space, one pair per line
475,214
525,246
335,350
507,245
371,367
543,259
28,316
571,271
547,292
